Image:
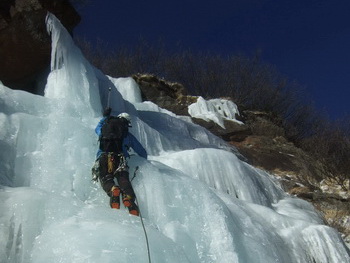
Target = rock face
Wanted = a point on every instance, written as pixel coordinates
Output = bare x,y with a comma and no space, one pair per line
168,95
261,140
25,45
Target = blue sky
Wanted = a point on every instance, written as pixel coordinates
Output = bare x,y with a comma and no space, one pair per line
308,41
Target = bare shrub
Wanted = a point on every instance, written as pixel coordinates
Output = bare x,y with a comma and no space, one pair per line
331,145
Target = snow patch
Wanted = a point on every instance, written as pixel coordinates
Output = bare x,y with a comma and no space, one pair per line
216,110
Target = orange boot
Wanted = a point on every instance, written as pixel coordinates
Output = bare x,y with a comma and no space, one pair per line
115,200
129,202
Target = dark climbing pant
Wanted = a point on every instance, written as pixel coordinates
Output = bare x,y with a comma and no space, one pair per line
108,173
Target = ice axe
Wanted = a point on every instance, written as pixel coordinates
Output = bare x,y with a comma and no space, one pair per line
108,109
109,96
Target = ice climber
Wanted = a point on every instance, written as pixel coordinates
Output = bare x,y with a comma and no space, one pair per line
115,141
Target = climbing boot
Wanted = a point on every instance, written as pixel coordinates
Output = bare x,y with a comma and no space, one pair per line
115,200
129,202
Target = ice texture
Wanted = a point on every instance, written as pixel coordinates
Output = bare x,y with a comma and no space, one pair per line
199,201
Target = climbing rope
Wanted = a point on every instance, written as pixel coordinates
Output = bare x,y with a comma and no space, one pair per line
144,230
143,225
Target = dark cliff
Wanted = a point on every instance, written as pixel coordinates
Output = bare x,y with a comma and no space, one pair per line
25,46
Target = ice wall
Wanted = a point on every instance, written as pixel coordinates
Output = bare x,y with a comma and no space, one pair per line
200,203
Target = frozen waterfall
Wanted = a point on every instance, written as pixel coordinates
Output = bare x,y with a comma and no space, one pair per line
200,203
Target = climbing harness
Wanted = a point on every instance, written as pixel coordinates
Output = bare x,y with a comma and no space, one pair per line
141,218
123,166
